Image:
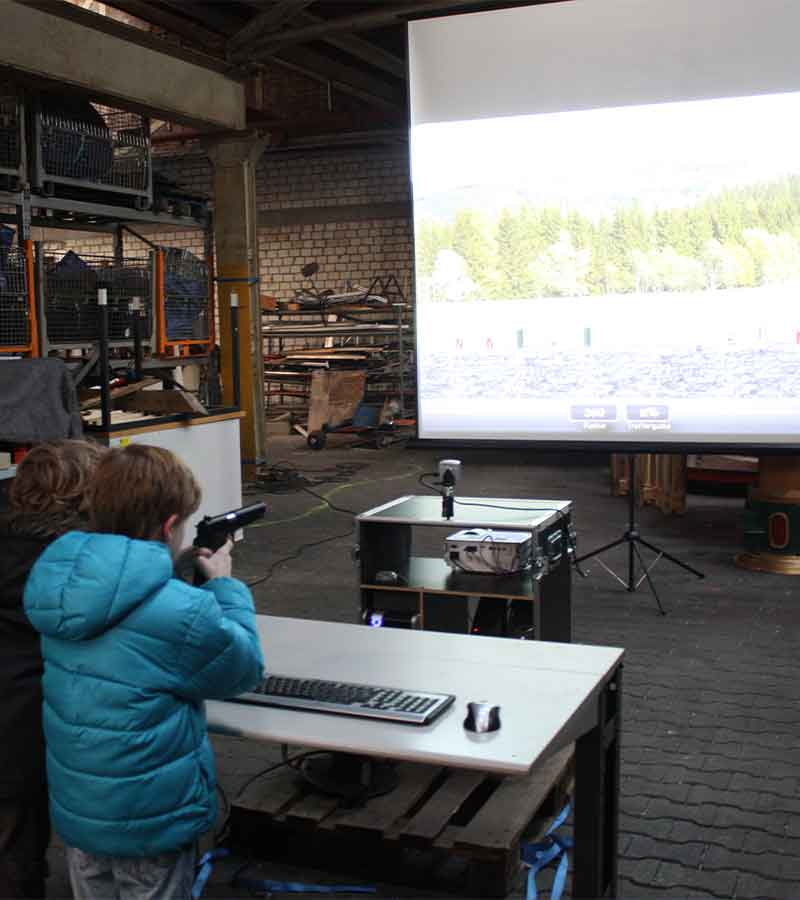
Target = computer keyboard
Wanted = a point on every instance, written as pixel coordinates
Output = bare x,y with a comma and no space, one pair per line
345,698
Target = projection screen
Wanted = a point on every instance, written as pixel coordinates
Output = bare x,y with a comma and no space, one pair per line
607,223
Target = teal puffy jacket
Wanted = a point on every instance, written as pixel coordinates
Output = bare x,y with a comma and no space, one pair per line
130,654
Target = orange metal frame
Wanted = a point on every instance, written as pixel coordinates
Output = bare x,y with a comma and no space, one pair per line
32,347
182,348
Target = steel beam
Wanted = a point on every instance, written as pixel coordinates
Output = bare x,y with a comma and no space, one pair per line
349,79
379,18
267,21
188,29
349,43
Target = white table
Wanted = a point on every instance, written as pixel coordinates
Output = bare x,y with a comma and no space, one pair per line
550,695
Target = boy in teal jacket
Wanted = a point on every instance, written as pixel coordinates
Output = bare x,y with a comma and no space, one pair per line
130,653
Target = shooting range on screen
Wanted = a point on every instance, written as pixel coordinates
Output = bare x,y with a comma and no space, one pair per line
607,223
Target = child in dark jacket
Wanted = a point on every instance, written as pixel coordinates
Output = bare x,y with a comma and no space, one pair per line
130,654
47,498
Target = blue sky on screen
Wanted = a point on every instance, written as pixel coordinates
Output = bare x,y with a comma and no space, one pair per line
661,155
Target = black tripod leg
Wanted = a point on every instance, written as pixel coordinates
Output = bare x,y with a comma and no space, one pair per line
603,549
671,558
632,565
646,571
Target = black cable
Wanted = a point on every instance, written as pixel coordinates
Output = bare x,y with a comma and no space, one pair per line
282,477
302,547
425,484
222,834
274,767
297,553
511,508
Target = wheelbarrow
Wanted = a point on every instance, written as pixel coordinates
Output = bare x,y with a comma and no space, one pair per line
366,421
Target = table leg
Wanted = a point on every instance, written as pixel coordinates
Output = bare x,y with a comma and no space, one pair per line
597,781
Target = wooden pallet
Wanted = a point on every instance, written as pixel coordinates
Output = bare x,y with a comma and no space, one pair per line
453,830
661,480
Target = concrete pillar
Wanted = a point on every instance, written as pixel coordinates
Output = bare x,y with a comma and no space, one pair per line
236,238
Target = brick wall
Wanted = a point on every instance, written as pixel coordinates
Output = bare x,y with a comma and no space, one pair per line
345,249
338,177
81,242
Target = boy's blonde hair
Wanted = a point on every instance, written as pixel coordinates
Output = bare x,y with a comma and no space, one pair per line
137,488
53,480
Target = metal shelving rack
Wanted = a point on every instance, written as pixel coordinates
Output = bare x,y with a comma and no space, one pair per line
37,210
18,332
67,312
13,161
78,145
86,167
364,328
186,320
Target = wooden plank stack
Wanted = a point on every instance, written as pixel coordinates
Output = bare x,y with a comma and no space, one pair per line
376,339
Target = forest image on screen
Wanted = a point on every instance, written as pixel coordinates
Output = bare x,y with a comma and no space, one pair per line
620,274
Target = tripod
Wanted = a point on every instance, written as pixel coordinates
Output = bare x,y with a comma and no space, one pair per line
633,539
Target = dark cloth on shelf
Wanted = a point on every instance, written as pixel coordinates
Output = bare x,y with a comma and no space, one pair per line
186,289
38,401
75,141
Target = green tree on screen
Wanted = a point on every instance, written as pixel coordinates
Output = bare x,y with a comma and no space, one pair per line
430,238
741,236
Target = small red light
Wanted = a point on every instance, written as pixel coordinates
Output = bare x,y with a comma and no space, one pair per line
778,531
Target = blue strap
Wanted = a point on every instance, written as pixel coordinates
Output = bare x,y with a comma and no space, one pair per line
537,856
265,886
204,866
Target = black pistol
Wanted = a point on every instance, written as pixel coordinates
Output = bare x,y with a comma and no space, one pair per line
213,531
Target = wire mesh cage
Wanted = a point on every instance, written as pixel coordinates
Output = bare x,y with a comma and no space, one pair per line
15,311
186,297
92,146
69,287
11,138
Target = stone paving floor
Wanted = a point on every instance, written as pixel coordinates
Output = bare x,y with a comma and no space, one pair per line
710,794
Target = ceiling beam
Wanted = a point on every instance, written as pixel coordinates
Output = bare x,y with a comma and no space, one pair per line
349,43
349,80
378,18
369,53
169,21
217,17
280,12
129,33
48,50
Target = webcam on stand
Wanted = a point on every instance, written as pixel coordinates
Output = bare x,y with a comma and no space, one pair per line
449,474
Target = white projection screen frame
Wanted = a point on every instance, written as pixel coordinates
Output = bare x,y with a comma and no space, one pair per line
607,224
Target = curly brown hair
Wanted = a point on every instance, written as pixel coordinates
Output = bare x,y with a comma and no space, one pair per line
137,488
53,481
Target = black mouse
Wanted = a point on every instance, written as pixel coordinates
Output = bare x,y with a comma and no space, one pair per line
482,717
